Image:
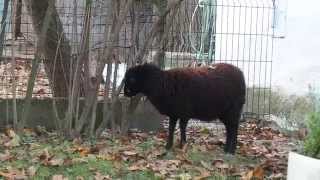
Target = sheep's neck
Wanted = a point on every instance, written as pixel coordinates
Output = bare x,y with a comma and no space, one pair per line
155,83
157,91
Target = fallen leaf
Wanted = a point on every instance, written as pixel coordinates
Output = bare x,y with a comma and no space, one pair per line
98,176
6,156
256,173
206,165
59,177
79,178
78,160
184,176
44,156
185,148
183,157
14,139
55,162
164,166
14,174
278,176
130,153
31,171
220,164
203,173
83,151
134,168
139,165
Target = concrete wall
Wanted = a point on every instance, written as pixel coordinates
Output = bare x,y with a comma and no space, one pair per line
145,118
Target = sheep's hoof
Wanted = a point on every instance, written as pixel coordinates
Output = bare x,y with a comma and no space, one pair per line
230,158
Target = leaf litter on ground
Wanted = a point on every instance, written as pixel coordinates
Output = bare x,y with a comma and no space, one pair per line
262,152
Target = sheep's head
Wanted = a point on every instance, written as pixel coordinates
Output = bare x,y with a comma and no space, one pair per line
136,79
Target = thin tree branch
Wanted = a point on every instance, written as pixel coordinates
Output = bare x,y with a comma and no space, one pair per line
36,62
139,56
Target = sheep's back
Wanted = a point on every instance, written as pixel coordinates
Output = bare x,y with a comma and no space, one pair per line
205,93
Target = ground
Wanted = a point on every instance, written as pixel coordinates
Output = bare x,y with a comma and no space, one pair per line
262,152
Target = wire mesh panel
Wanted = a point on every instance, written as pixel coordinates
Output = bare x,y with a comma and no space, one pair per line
237,32
244,37
209,31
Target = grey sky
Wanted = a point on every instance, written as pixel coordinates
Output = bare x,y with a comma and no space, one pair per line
297,63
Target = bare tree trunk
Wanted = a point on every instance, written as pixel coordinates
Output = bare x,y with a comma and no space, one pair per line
59,77
160,54
17,16
35,64
3,26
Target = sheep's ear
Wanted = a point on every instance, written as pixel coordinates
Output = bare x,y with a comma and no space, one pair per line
138,62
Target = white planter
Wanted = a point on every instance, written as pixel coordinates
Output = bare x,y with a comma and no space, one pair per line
303,167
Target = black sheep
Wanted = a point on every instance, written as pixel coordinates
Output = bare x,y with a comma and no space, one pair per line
205,93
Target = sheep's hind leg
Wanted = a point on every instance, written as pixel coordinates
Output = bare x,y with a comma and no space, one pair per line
172,126
231,139
183,125
232,124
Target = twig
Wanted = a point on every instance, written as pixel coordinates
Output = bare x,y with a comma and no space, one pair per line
139,56
14,83
107,53
83,54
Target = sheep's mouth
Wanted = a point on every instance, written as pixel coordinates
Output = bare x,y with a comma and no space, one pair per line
128,92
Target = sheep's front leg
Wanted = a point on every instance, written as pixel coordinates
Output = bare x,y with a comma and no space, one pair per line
183,126
172,126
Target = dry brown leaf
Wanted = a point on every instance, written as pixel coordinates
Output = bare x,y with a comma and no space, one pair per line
278,176
79,178
162,135
139,165
83,151
220,164
185,148
130,153
134,168
256,173
14,139
59,177
31,171
206,165
14,174
184,176
159,152
67,162
164,166
211,147
108,157
45,156
6,156
203,173
98,176
117,164
183,158
78,160
55,162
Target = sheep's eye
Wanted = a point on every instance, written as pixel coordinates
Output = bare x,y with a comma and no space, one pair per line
132,80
